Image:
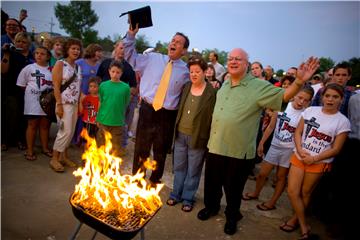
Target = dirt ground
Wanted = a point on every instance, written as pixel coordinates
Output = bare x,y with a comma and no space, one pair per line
35,205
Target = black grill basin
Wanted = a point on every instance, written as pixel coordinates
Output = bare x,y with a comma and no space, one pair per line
106,223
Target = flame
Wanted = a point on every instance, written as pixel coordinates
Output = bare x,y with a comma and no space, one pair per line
103,187
150,164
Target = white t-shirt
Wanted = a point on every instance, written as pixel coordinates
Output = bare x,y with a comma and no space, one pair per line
286,125
320,130
71,93
316,88
35,79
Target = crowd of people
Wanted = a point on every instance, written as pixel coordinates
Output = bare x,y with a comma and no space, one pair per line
203,114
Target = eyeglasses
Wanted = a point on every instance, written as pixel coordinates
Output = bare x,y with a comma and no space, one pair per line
237,59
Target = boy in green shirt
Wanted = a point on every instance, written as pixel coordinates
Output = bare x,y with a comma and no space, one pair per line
114,98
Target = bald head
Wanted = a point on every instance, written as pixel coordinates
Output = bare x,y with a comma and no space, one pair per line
237,63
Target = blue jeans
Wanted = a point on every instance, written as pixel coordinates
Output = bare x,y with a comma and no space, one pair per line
188,163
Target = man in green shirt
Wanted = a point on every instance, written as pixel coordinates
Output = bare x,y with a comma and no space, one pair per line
232,143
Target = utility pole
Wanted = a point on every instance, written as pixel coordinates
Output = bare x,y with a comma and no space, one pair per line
51,25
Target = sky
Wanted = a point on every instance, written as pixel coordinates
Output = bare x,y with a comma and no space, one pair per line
281,34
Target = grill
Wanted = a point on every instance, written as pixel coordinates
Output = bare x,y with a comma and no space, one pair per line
109,223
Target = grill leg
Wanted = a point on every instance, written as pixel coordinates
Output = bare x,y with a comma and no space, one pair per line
77,229
93,237
142,234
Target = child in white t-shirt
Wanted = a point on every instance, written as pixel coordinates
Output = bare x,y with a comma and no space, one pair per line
34,79
282,146
319,137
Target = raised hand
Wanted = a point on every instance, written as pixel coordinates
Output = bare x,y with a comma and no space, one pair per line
307,69
132,32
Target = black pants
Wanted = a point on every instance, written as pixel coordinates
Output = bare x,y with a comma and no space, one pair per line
155,129
230,173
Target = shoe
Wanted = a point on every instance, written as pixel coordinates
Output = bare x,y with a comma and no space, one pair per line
205,214
230,227
187,208
263,207
247,197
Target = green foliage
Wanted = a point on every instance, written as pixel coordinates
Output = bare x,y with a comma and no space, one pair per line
222,55
280,73
141,43
161,47
107,44
325,64
76,19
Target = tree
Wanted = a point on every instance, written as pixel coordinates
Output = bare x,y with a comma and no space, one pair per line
161,47
280,73
107,44
76,19
325,64
222,55
141,43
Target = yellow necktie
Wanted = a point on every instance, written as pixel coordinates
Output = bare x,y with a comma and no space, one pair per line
163,86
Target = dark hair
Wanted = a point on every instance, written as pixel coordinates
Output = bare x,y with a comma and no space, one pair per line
258,63
57,39
68,43
44,48
215,55
213,78
334,86
344,65
94,79
197,60
293,68
118,64
13,19
287,77
309,90
187,42
91,50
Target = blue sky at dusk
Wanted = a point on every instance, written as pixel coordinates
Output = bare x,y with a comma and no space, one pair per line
281,34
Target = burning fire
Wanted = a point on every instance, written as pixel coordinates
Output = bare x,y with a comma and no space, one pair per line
103,188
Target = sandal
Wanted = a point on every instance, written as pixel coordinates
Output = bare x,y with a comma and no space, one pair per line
263,207
247,197
286,227
47,153
30,157
4,147
21,146
68,162
56,166
171,202
305,236
187,208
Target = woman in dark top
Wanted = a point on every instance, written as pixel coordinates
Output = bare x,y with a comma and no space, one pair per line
192,129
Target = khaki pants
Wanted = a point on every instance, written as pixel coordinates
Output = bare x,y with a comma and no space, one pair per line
66,127
116,138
